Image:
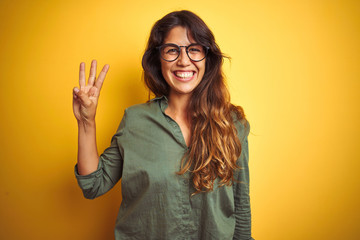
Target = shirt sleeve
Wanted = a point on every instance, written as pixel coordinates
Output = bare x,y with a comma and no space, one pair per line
109,170
241,189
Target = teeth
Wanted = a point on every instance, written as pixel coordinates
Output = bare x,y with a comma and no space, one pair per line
184,74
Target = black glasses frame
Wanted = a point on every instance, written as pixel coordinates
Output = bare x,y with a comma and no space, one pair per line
186,49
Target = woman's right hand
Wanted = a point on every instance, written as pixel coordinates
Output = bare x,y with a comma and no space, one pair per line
86,98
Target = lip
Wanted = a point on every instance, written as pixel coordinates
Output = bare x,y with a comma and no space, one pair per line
184,79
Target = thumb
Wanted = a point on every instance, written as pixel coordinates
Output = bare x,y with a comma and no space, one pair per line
75,91
82,96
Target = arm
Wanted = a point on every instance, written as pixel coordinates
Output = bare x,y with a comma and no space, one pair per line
241,191
85,102
96,175
88,158
108,171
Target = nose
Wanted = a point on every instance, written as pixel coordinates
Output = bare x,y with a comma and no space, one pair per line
183,59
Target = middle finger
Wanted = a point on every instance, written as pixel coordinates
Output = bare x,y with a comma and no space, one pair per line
92,75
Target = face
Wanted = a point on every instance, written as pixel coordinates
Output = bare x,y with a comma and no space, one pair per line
182,75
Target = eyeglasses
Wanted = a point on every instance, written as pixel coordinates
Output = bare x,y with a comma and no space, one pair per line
170,51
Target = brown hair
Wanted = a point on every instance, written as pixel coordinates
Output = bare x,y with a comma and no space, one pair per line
214,147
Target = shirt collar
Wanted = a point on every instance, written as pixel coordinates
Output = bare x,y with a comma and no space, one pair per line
163,102
158,98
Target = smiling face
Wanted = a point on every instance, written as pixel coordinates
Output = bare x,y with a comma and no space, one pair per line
182,75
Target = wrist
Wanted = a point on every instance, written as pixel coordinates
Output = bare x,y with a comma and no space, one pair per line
88,124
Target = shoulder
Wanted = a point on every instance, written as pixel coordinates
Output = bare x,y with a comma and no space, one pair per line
141,114
140,109
152,107
242,127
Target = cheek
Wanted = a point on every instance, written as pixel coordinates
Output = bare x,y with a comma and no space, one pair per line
202,68
165,69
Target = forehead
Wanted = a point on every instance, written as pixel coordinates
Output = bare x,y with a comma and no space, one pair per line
180,36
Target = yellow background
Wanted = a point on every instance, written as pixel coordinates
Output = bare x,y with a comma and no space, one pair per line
294,69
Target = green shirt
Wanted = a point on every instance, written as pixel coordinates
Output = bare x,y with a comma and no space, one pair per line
156,204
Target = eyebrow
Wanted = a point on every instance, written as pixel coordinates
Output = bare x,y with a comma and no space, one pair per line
180,45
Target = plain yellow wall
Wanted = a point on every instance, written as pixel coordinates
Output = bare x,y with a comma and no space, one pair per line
294,69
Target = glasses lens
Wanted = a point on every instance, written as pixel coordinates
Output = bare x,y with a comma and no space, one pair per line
196,52
169,52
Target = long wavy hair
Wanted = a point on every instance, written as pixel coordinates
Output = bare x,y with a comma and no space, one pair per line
214,145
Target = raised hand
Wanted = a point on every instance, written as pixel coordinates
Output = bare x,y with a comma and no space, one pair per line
86,98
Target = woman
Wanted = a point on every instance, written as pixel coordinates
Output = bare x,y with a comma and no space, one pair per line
183,156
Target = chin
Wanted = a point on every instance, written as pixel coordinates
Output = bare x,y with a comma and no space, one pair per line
186,88
181,91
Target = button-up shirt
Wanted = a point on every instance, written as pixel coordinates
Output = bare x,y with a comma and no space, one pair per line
145,153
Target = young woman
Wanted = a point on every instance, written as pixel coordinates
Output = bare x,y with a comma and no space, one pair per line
183,156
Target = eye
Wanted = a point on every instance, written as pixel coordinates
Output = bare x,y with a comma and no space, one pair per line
170,50
195,49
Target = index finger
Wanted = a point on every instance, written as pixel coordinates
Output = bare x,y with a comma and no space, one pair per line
82,79
101,77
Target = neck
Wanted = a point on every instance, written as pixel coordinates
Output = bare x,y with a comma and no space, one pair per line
178,106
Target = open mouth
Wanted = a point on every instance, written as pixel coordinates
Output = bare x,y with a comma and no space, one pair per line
184,75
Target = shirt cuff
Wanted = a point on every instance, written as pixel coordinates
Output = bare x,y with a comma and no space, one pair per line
87,181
